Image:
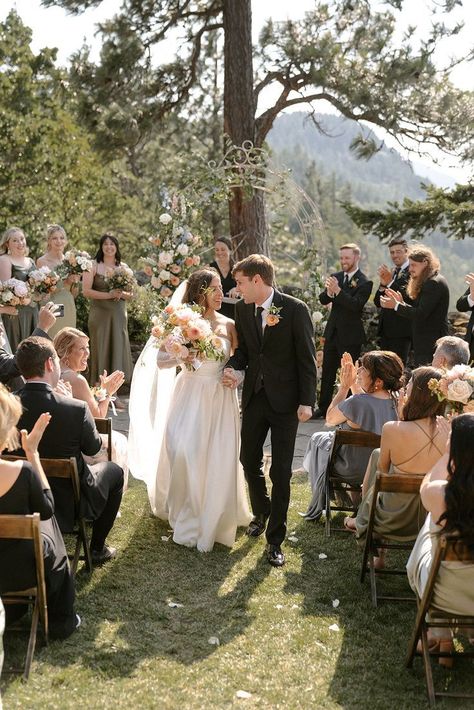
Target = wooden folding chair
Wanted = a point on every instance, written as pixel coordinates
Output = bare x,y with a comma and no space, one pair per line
450,548
334,485
66,469
27,527
104,426
407,483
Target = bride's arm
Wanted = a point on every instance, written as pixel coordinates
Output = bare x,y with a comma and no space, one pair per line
165,361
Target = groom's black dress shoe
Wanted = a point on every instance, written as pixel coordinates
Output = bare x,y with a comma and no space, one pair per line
275,556
257,526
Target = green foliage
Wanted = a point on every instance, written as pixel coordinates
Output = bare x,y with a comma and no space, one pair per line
145,303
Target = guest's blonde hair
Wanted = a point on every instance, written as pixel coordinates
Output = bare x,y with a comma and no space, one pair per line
10,412
66,338
52,229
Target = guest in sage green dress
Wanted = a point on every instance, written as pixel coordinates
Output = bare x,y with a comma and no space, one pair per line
56,244
109,342
15,263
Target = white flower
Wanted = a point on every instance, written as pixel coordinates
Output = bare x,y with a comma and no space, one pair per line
459,391
317,317
182,249
164,275
155,282
165,258
165,218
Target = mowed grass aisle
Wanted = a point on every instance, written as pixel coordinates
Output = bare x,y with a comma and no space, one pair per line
135,650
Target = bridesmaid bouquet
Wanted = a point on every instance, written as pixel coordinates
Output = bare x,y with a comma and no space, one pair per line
456,387
75,263
43,282
120,278
15,293
181,330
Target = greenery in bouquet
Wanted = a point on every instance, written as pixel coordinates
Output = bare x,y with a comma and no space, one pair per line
456,387
74,264
311,290
43,282
120,278
14,292
172,256
181,330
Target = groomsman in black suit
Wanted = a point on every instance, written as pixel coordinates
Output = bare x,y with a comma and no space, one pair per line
276,352
347,291
395,332
466,303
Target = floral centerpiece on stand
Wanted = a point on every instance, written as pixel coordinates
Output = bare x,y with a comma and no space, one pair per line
120,278
74,264
181,330
43,282
456,387
14,292
172,254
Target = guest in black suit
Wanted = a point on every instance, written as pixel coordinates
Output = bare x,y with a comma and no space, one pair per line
276,351
394,332
347,291
71,432
466,303
428,310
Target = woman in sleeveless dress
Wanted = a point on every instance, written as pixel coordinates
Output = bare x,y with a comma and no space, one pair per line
197,484
54,256
19,323
447,493
371,404
223,264
108,326
412,445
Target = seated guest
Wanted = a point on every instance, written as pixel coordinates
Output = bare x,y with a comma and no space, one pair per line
24,489
450,351
71,432
412,445
373,385
72,347
466,303
8,366
447,493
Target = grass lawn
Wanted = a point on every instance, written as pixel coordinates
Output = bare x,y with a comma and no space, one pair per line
274,642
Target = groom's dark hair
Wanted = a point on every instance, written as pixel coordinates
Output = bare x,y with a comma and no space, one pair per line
256,264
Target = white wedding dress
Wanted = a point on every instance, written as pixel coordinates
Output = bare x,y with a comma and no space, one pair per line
196,481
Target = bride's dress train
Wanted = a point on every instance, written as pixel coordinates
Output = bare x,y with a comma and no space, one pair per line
199,485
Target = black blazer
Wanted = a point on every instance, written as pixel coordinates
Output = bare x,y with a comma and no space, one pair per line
8,367
285,357
462,305
429,317
389,324
71,432
345,317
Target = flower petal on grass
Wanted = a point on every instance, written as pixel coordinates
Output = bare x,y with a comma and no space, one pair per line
174,605
292,538
334,627
244,694
335,603
213,641
165,538
322,556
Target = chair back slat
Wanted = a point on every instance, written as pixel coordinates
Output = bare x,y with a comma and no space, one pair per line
398,482
17,527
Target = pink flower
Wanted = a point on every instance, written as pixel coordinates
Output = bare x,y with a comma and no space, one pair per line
174,280
166,292
148,270
272,319
157,331
469,407
189,261
196,260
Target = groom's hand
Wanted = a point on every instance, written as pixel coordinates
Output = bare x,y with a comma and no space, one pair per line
304,413
232,378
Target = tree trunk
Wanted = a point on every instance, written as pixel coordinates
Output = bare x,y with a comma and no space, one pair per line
246,216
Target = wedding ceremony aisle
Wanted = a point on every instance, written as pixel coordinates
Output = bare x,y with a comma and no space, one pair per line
164,626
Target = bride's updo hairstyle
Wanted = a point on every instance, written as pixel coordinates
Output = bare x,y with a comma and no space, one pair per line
198,283
386,366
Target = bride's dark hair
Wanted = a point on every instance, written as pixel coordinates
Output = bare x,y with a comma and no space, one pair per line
198,283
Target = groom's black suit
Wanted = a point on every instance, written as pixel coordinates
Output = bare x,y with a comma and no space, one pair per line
280,375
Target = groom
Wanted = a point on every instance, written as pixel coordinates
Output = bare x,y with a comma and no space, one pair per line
276,352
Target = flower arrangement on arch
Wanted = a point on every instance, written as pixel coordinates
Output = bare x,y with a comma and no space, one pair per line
456,387
14,292
311,290
42,282
181,330
172,254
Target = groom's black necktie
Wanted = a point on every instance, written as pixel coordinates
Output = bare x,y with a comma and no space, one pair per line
258,321
345,283
395,273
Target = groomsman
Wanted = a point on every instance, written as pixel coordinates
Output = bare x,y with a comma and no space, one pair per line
394,332
347,291
466,303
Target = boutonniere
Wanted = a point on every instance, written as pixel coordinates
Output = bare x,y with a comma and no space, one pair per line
273,316
353,282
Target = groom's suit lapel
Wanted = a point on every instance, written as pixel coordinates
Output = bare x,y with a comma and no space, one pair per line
252,323
273,329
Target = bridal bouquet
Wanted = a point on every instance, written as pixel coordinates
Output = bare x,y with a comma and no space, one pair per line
15,293
181,330
75,263
456,387
120,278
43,282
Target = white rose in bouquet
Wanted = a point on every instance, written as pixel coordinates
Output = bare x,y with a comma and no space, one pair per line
182,249
459,391
165,218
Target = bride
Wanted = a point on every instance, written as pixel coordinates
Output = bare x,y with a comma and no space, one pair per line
185,446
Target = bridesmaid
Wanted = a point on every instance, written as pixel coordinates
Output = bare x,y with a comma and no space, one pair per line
223,264
110,346
15,263
56,244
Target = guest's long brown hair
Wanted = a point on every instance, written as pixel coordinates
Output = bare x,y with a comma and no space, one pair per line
420,255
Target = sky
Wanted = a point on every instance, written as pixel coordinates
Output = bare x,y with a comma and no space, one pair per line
53,27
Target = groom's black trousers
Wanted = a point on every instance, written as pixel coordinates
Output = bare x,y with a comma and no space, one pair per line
257,419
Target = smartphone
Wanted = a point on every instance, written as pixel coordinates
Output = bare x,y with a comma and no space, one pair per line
59,313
